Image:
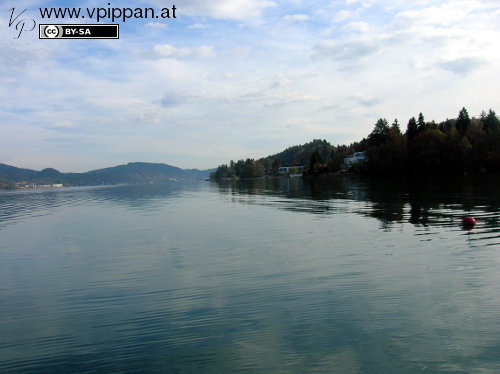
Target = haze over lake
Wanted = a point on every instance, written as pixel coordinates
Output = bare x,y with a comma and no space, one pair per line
269,276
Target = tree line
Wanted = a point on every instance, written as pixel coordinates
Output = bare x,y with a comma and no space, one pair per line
454,146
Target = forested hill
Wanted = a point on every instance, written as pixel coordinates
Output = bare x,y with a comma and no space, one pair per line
134,172
454,146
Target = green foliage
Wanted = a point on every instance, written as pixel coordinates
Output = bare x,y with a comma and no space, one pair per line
421,123
323,155
252,169
300,154
425,151
412,128
248,168
380,133
223,172
395,126
491,123
456,145
388,156
315,163
337,156
463,121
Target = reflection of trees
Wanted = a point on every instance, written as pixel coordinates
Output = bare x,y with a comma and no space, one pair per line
420,201
434,200
314,189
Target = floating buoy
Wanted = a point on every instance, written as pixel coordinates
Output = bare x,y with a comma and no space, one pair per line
468,222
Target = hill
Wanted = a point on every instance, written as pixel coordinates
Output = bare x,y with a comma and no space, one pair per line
133,172
320,151
455,146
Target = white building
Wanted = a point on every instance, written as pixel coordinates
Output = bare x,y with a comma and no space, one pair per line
291,169
353,159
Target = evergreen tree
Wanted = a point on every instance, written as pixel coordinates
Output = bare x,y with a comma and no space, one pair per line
463,121
380,133
315,162
276,165
420,122
412,128
395,126
491,123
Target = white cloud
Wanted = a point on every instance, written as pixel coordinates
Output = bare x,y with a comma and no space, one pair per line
296,18
446,14
342,15
463,65
346,51
358,26
156,25
198,26
169,51
239,10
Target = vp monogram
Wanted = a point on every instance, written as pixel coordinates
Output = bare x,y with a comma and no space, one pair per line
21,25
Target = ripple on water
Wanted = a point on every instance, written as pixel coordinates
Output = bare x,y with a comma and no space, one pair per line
342,278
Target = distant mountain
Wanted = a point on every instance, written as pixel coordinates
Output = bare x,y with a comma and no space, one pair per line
133,172
11,173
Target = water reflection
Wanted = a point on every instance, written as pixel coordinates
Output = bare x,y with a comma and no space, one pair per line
424,201
281,276
16,205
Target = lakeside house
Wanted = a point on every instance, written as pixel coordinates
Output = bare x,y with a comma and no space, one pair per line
353,159
292,170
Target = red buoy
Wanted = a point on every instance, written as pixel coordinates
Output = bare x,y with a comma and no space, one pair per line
468,222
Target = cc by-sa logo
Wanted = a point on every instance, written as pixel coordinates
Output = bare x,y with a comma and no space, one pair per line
51,31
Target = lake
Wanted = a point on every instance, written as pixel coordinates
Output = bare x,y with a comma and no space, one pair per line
269,276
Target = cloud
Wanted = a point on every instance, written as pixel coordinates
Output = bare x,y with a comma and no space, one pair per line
342,15
358,26
291,98
198,26
16,58
170,100
463,65
239,10
296,18
281,81
344,50
156,25
446,14
367,101
169,51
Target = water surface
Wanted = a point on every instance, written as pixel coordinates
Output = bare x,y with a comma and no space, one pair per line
276,276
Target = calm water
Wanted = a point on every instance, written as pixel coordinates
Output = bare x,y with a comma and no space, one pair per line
283,276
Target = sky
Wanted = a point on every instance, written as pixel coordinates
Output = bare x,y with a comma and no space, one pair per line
233,79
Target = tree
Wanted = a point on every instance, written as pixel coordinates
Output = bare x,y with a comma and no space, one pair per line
420,122
223,172
412,128
252,169
395,126
276,165
491,123
380,133
463,121
426,151
315,162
